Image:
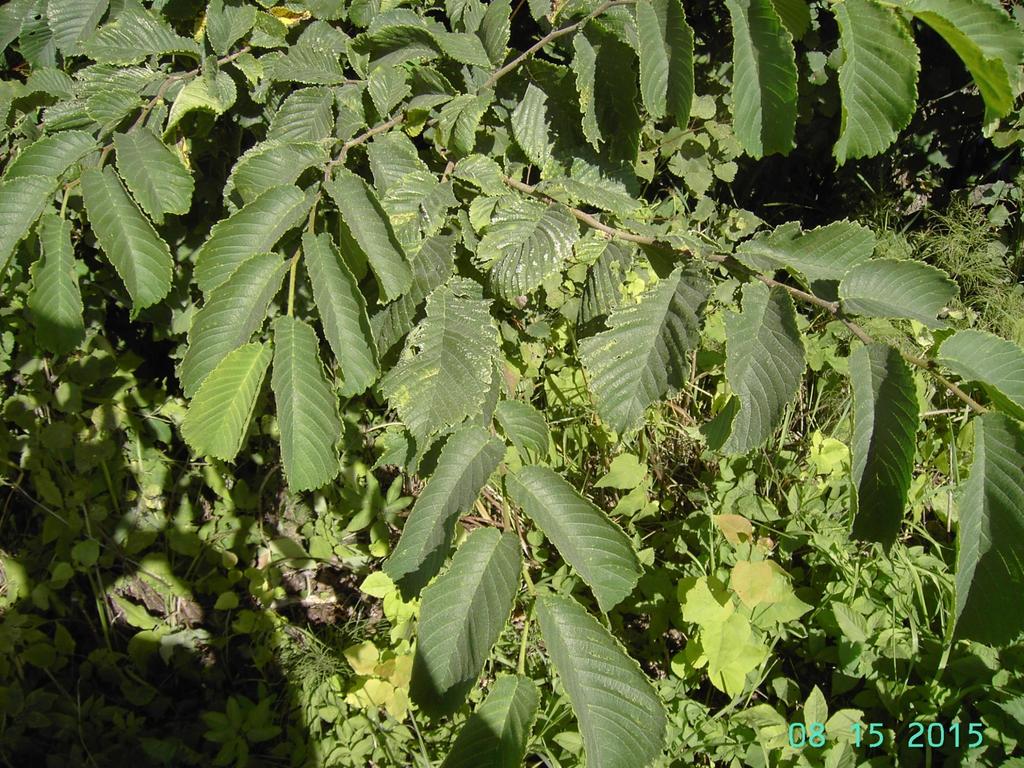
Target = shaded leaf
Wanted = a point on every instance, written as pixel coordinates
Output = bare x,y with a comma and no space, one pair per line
461,616
307,408
55,299
621,718
138,253
342,311
764,363
495,734
468,458
219,414
885,421
641,356
591,543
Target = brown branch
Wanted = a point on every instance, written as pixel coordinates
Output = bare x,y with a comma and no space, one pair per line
550,36
832,307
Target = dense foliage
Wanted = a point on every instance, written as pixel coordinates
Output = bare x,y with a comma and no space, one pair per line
467,384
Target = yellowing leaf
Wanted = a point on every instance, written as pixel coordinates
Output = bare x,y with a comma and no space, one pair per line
362,658
735,528
289,17
761,582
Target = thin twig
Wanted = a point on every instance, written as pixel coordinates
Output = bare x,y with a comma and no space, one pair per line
832,307
552,35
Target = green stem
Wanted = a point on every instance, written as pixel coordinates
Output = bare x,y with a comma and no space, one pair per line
291,280
521,667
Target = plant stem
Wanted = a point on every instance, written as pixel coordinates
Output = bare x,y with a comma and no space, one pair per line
832,307
521,667
291,279
552,35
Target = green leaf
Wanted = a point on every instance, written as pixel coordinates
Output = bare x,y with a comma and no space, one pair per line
821,255
989,563
218,416
464,48
885,421
495,734
22,201
996,363
621,717
445,371
342,310
461,616
530,125
524,425
139,255
795,14
459,120
156,178
306,115
985,38
214,94
588,541
432,265
308,62
764,78
495,30
226,22
877,79
666,59
584,66
894,288
607,84
371,230
764,363
271,163
466,462
232,313
73,21
307,408
525,243
135,35
255,228
642,355
55,299
602,290
52,155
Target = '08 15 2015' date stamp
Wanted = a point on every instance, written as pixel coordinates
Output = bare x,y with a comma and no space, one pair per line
914,735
